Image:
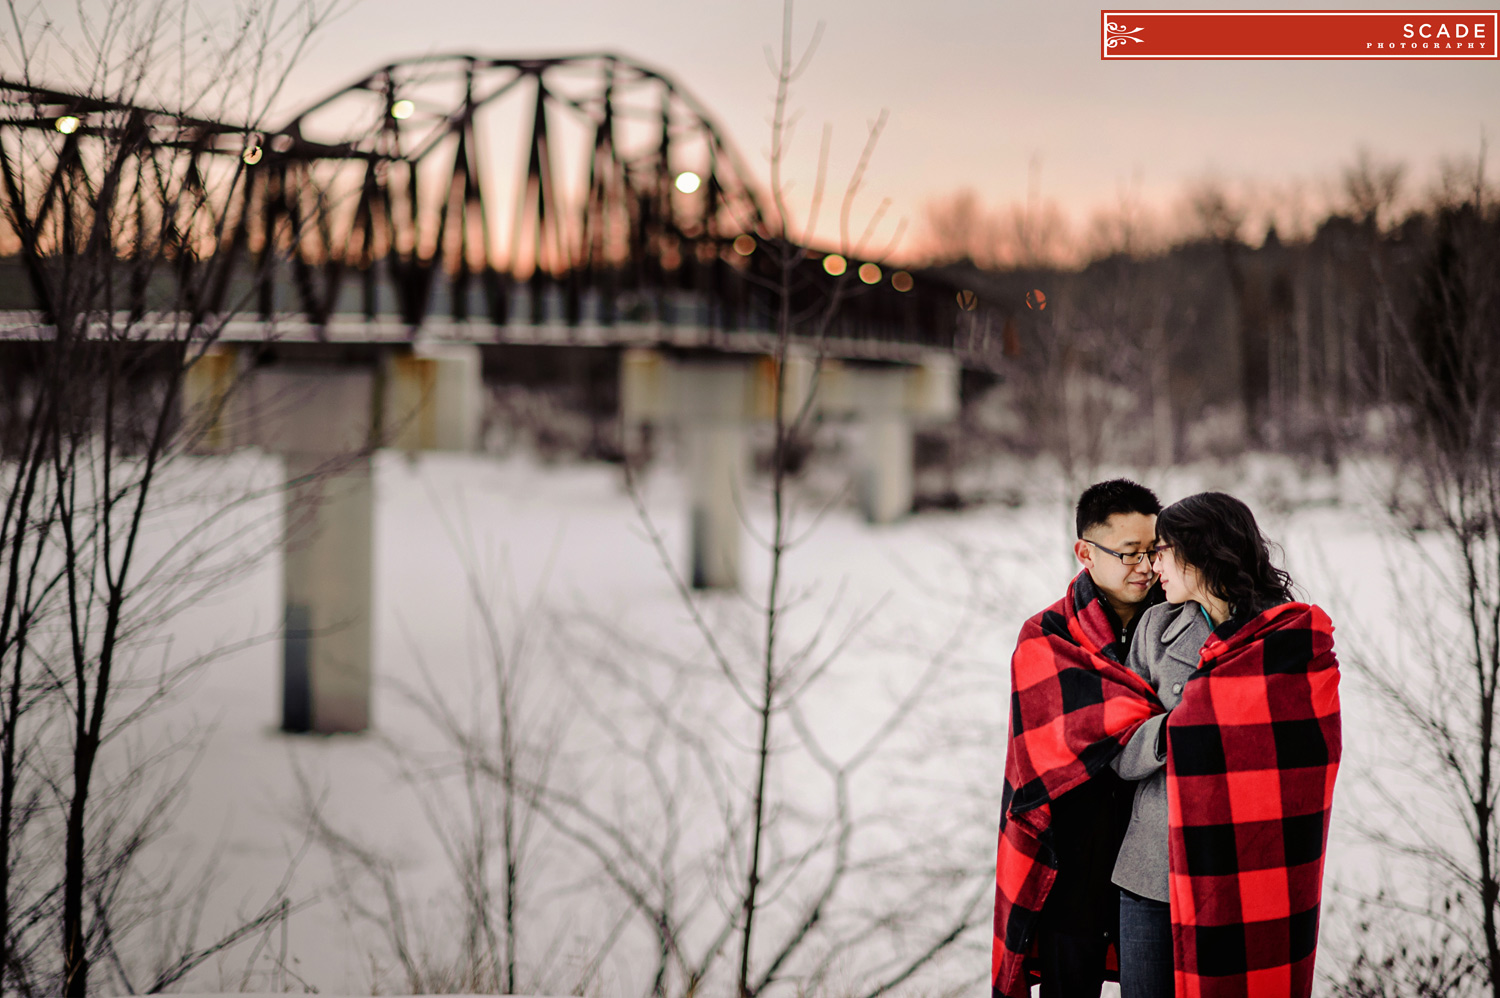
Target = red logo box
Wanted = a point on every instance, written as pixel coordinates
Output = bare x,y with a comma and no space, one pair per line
1298,34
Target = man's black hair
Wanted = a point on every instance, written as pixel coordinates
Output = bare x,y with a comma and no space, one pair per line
1102,500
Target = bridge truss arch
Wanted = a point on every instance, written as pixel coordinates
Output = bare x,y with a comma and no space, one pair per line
558,172
584,189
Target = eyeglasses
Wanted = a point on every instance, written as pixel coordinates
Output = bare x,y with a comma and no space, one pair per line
1128,557
1159,550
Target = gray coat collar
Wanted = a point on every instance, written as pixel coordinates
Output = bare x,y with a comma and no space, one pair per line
1186,617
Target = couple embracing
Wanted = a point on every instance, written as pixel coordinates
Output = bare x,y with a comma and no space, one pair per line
1174,737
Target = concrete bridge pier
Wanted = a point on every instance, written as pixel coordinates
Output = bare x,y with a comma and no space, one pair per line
327,587
645,400
324,417
883,480
710,401
712,407
320,418
889,403
714,400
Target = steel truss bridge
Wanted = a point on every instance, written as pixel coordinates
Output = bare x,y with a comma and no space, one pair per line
582,197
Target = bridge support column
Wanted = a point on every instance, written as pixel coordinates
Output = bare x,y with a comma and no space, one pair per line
328,580
433,398
889,402
713,401
645,399
320,417
712,398
209,403
884,472
324,418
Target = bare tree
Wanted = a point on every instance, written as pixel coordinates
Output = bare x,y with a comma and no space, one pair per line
110,221
1127,228
959,227
729,862
1398,958
1371,188
1441,686
1462,180
1038,227
1027,234
497,743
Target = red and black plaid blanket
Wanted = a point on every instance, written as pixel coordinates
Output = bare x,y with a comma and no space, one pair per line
1253,749
1073,704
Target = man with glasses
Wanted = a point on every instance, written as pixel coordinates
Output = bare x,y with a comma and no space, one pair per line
1056,910
1116,523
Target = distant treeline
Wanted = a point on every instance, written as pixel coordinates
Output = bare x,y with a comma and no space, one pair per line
1309,346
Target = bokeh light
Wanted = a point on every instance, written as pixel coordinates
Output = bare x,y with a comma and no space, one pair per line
869,273
67,124
835,264
967,300
252,155
1036,300
688,181
744,244
402,109
901,281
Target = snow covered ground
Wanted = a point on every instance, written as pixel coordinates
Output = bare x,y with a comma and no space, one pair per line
562,550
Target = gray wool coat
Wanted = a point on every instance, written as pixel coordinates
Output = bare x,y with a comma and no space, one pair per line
1164,652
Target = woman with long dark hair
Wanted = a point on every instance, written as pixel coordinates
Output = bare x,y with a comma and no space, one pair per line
1211,552
1220,872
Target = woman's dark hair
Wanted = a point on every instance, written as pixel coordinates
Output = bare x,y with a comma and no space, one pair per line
1217,534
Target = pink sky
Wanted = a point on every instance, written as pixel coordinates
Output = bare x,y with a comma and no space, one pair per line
977,90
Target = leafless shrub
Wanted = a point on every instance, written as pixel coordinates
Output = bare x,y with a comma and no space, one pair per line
99,215
1441,691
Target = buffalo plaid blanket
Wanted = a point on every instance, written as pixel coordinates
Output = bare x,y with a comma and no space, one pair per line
1073,705
1253,749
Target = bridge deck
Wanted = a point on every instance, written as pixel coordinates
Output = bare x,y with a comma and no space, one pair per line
355,330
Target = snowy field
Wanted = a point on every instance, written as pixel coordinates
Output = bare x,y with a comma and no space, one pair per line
561,554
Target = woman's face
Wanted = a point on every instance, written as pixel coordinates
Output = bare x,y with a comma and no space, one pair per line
1179,582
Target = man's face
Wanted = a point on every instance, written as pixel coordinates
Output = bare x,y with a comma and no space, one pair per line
1126,533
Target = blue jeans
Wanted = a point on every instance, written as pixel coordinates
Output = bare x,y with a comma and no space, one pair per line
1145,947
